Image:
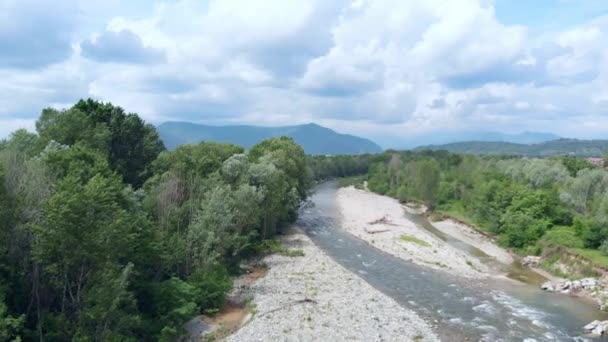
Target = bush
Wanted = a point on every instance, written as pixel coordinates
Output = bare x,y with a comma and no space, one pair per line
604,248
563,236
211,288
590,231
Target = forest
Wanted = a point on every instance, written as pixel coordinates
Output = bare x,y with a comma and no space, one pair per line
106,236
529,204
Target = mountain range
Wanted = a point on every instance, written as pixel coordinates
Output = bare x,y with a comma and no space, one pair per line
313,138
575,147
414,140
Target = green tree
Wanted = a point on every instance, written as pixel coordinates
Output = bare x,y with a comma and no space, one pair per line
129,144
427,181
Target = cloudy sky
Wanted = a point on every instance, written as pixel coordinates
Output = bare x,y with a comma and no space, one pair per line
384,69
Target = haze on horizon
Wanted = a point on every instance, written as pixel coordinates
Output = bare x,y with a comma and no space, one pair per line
393,71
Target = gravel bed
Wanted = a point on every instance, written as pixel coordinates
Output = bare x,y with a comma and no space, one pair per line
312,298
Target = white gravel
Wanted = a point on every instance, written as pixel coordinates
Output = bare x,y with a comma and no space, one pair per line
341,306
358,208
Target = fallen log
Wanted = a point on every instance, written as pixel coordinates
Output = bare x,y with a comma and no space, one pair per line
376,231
383,220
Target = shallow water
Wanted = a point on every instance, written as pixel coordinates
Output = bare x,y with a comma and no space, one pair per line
461,309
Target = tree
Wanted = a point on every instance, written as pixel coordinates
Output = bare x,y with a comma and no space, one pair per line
129,144
288,157
574,165
427,181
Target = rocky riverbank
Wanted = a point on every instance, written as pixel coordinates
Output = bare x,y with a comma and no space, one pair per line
380,221
312,298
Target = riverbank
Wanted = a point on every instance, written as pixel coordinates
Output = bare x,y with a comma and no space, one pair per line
312,298
474,238
380,221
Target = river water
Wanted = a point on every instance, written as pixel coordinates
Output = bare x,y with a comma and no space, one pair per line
460,309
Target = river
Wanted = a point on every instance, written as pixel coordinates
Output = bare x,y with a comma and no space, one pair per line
460,309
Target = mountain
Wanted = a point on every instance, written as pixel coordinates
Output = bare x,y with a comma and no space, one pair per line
581,148
446,137
313,138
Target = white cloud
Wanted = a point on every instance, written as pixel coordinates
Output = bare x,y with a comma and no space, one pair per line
380,68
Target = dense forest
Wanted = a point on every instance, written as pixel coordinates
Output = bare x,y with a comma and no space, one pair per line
106,236
528,204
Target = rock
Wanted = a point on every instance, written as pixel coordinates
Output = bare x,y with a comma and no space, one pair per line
531,261
592,325
600,329
548,286
589,283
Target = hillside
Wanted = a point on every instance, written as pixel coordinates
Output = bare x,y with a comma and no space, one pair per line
313,138
581,148
413,140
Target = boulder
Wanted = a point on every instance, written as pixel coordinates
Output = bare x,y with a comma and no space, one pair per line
592,325
600,329
531,261
548,286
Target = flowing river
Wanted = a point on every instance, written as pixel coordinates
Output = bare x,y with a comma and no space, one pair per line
461,309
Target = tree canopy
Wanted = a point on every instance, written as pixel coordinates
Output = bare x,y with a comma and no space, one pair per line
105,236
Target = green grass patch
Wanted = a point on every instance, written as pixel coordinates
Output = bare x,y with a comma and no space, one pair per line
595,256
274,246
408,238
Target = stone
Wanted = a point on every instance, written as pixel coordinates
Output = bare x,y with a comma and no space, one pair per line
589,283
548,286
592,325
531,261
600,329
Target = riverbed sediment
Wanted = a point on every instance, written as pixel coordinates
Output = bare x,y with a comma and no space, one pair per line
380,221
312,298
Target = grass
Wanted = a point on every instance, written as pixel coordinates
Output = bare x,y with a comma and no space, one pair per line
418,338
274,246
595,256
409,238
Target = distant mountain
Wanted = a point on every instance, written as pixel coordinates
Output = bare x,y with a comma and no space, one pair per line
581,148
312,137
446,137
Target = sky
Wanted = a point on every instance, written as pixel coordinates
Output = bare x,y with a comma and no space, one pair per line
389,70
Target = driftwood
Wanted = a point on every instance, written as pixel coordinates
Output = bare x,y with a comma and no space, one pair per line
376,231
383,220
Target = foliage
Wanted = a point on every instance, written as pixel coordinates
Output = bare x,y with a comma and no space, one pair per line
357,182
560,147
106,237
563,236
124,139
274,246
574,165
520,200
